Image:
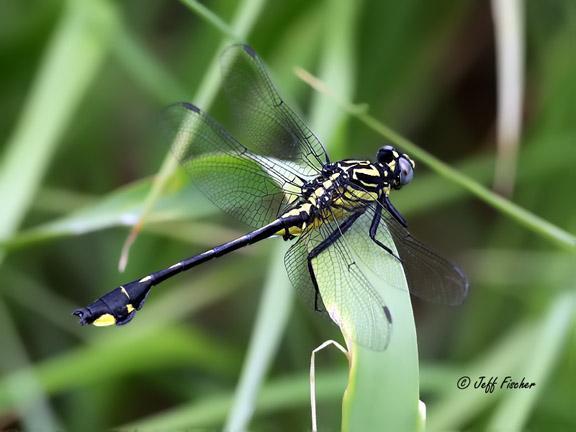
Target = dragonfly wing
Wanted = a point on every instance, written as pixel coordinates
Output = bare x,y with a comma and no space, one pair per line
254,188
266,122
296,262
347,295
429,276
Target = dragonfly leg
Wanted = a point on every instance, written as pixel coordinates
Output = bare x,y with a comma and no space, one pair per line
385,201
374,231
324,244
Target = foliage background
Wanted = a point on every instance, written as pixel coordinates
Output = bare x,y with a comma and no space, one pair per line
81,84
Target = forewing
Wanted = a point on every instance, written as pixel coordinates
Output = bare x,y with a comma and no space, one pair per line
252,187
267,124
429,276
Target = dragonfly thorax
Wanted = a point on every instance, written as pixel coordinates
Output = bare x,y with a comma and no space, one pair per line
342,188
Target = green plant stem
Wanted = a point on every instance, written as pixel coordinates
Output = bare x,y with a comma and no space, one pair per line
517,213
234,34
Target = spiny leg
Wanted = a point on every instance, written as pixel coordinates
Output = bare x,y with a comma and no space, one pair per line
324,244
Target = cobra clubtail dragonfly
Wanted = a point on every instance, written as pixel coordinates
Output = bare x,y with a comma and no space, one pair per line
284,184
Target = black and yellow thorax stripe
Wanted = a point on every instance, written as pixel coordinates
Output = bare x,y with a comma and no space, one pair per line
343,188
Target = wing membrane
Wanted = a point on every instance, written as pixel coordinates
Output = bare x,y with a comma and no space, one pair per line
347,296
266,122
251,187
430,276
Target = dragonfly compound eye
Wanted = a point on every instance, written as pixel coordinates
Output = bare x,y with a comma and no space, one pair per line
406,171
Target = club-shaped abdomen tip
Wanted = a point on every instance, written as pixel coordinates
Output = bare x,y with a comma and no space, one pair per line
88,317
98,318
82,314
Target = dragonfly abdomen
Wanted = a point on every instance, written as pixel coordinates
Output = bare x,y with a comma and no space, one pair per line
119,306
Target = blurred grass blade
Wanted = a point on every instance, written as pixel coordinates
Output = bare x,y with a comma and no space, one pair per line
247,13
116,356
513,412
58,88
432,191
514,211
47,304
36,413
508,16
337,69
278,394
234,34
273,313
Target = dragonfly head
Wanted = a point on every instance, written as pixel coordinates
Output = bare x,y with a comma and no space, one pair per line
400,167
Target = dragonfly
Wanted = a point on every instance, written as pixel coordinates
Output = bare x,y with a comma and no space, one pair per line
281,181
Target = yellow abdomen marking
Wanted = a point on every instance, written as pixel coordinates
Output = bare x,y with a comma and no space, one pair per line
105,320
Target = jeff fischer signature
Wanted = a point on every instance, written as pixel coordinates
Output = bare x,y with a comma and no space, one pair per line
492,383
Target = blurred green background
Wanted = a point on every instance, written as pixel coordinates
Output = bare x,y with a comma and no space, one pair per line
81,85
